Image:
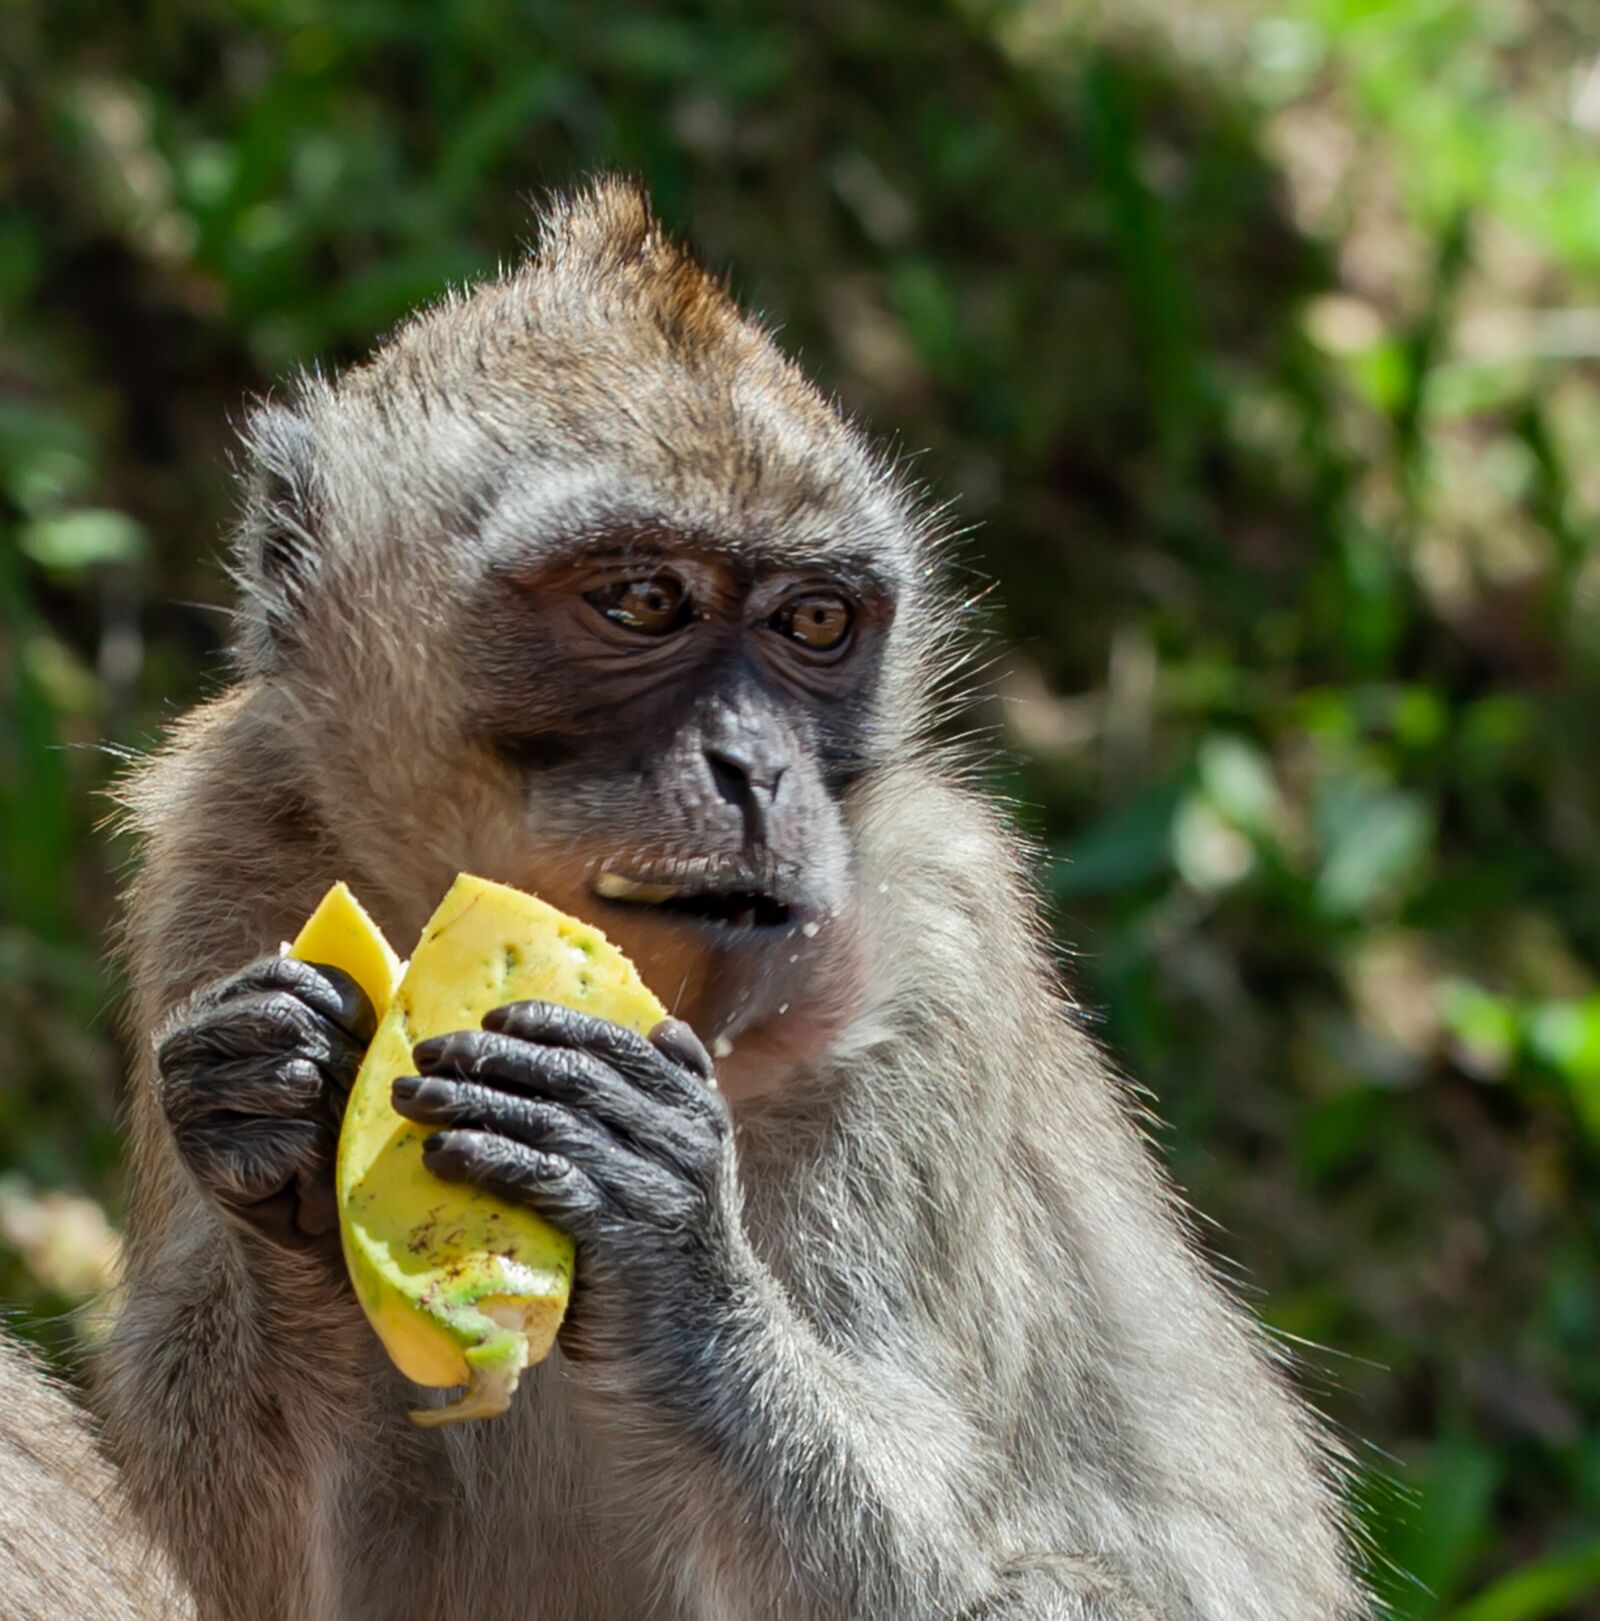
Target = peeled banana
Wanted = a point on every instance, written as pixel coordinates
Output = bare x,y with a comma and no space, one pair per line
461,1287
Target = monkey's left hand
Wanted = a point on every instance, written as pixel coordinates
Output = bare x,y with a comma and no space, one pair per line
620,1141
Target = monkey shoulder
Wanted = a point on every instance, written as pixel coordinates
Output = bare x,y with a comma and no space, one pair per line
68,1548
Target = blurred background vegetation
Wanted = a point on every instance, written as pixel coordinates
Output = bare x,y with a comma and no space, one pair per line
1258,337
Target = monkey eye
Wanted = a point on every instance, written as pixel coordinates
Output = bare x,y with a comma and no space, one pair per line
819,621
652,607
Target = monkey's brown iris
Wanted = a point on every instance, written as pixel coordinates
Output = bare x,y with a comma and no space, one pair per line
651,607
820,622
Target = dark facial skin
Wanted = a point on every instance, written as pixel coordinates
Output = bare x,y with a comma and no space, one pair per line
679,726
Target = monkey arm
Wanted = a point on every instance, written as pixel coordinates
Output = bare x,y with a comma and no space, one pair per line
240,1357
232,1377
781,1474
785,1477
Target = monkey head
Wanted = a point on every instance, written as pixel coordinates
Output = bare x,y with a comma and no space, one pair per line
580,584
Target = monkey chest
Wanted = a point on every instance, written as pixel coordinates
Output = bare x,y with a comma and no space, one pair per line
519,1518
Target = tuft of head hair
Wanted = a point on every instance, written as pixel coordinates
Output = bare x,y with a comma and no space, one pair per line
605,240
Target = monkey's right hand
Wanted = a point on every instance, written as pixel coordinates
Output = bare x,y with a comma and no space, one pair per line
254,1072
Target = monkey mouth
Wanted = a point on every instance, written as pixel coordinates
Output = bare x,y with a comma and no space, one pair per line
704,899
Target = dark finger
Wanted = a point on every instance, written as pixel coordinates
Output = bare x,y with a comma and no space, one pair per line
326,990
243,1088
547,1183
550,1024
269,1023
625,1184
339,999
242,1161
437,1100
646,1114
553,1025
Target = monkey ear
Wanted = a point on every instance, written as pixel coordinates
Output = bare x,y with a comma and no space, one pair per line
278,545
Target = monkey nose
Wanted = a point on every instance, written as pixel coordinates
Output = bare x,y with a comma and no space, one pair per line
736,777
750,786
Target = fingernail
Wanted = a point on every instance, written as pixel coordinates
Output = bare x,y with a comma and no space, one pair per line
442,1151
679,1043
405,1086
494,1019
428,1053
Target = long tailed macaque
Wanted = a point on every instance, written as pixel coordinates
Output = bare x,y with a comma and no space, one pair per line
69,1549
883,1309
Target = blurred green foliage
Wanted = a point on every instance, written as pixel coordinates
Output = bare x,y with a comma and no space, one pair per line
1259,337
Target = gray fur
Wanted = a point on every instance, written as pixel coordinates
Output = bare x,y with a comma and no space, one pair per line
69,1550
973,1367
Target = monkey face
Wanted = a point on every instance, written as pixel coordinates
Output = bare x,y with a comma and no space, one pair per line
678,725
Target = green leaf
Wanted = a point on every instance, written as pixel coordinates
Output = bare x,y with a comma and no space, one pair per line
1488,1027
36,822
1237,779
46,457
1548,1587
1208,851
78,540
1439,1546
1374,842
1565,1035
1126,848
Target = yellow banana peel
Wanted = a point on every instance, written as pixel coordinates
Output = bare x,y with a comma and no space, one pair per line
340,934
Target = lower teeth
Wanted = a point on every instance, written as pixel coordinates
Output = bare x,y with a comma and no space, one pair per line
612,886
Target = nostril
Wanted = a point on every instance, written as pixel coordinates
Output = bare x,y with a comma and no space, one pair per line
741,783
731,778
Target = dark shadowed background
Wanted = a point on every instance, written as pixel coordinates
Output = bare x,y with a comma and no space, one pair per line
1259,341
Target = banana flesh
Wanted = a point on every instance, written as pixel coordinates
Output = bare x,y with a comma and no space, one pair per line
462,1288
